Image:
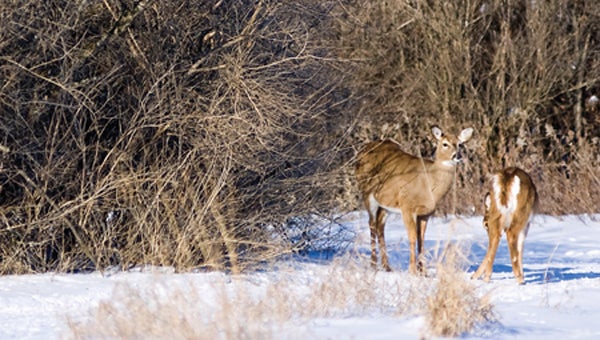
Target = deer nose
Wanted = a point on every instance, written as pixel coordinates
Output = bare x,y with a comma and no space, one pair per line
457,157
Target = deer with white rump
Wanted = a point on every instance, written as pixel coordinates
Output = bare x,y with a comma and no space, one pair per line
393,181
509,205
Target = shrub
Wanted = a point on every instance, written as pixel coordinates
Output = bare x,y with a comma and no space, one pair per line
168,133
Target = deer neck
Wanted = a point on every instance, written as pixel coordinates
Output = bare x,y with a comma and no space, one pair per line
441,175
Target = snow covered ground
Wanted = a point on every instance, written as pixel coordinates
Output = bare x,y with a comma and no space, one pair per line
561,297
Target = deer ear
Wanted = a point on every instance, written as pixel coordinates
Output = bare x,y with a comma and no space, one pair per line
437,132
465,135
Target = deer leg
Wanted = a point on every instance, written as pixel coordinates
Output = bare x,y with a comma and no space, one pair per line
373,244
422,226
380,225
515,236
486,266
512,238
411,228
373,230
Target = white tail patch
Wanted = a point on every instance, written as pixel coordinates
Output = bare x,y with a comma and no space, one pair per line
509,205
512,192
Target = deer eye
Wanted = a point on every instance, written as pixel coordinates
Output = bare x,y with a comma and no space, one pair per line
446,145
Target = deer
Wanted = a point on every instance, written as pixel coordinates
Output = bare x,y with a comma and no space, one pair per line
508,205
394,181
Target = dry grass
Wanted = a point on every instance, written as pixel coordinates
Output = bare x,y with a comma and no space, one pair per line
278,303
220,310
454,307
238,307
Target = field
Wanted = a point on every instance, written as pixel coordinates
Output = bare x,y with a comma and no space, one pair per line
325,294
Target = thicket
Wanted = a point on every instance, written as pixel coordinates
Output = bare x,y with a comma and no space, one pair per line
187,133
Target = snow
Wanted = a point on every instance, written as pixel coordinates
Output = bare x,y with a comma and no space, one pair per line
559,299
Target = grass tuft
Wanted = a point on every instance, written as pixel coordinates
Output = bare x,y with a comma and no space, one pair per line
454,307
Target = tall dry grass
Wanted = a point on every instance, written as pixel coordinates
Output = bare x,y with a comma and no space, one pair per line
454,307
274,306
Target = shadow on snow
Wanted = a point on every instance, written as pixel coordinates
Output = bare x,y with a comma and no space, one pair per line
398,252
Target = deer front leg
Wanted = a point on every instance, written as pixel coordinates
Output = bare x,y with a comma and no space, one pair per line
422,226
411,227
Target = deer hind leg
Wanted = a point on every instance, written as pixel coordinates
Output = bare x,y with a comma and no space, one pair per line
372,228
422,226
515,236
371,209
411,227
379,229
486,267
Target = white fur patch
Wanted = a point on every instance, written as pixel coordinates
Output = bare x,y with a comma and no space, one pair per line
392,209
450,163
511,204
373,205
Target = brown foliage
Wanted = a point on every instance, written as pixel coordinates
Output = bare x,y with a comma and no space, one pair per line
175,132
161,132
521,73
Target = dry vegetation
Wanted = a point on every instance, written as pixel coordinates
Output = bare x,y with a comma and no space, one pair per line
523,73
282,307
178,133
162,132
454,307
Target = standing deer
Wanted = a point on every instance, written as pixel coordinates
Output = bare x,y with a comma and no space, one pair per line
393,181
509,204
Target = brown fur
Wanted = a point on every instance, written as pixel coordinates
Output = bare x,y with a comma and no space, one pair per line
392,180
514,223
